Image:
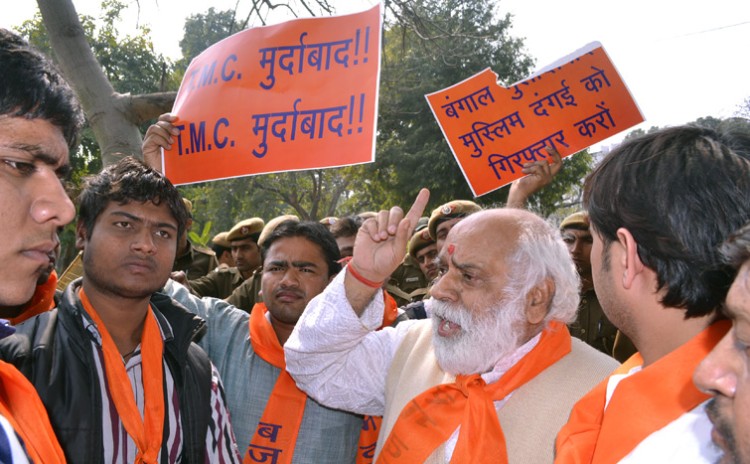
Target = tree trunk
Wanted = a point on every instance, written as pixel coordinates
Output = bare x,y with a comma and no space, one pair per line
113,117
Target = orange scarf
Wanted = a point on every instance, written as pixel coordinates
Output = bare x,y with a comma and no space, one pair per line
430,419
368,437
146,432
277,431
42,301
641,404
390,313
20,404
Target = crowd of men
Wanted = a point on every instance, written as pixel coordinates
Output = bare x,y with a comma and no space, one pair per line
467,336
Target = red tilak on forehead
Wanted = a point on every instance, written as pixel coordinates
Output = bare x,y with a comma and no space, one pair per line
451,249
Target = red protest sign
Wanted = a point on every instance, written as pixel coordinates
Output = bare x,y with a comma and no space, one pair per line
298,95
493,130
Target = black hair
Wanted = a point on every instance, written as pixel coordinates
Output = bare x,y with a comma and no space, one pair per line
124,182
32,87
346,226
219,249
680,192
315,232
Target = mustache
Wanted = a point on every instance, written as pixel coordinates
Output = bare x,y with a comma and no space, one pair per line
452,312
148,261
712,410
722,427
293,291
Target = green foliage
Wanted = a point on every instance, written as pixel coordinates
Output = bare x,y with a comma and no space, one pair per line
205,236
227,202
203,30
567,188
432,45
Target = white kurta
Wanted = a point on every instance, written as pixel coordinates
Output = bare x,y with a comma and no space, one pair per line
686,440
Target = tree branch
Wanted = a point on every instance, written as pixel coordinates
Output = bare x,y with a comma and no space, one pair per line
142,108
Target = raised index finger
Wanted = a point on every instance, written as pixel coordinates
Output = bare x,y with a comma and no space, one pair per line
417,208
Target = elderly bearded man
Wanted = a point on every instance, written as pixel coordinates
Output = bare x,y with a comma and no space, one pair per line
496,350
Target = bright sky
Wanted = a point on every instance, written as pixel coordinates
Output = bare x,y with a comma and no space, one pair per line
681,59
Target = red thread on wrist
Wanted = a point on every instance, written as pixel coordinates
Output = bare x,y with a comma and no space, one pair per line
362,279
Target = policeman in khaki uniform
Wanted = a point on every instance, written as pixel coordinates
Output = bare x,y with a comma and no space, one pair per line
243,238
591,324
194,261
223,249
422,252
408,283
444,217
423,249
248,293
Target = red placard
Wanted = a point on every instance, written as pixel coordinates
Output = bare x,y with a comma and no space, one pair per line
298,95
493,130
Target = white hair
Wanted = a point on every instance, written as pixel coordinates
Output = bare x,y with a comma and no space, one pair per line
540,254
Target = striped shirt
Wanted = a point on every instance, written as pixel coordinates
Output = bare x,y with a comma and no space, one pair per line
11,448
119,447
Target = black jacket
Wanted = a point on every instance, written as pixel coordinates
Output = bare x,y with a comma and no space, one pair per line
53,350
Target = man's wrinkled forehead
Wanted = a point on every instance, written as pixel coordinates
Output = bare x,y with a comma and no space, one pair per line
488,233
459,245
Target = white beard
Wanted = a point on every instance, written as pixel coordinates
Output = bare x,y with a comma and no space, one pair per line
486,336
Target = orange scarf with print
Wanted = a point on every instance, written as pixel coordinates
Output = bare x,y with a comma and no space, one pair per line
430,419
277,431
594,434
147,431
21,406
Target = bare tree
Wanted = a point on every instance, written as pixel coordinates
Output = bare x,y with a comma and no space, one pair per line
113,117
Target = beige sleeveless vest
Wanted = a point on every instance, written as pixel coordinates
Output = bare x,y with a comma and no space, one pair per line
531,417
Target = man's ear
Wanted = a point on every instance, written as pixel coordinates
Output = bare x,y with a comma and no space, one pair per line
81,235
538,301
630,261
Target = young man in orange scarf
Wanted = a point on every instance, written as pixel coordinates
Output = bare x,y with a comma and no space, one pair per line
660,206
114,363
487,377
39,123
273,419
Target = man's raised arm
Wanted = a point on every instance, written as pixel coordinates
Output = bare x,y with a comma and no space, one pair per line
379,248
334,353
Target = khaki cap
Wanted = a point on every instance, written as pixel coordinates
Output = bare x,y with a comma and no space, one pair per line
273,224
221,240
328,221
451,210
246,228
418,241
579,220
188,206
